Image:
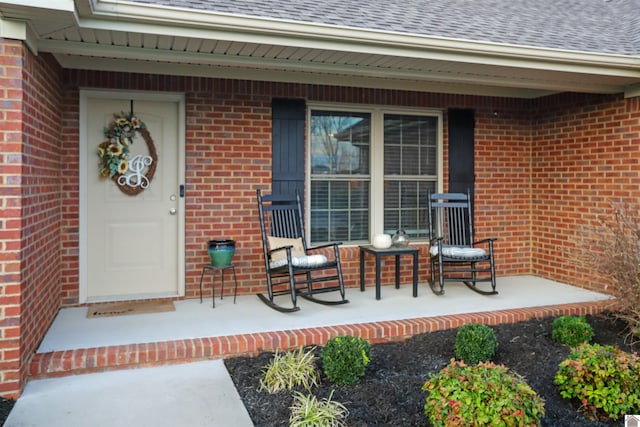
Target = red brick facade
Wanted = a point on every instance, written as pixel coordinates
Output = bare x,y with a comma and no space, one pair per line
228,155
32,163
585,153
10,297
544,168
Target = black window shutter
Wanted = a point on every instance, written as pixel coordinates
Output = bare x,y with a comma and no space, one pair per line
288,116
461,151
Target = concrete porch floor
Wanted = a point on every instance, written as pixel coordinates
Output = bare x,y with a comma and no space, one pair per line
202,393
195,331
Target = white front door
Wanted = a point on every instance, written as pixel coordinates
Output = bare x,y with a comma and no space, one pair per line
132,246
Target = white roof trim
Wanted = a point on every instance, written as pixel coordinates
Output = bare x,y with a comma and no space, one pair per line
11,29
169,56
18,30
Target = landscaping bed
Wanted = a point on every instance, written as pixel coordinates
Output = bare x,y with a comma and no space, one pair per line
391,391
5,407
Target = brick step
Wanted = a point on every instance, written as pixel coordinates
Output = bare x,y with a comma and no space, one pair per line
99,359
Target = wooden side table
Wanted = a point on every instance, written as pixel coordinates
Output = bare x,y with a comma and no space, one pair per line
222,269
392,251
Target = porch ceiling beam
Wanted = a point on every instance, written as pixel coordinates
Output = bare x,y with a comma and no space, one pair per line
546,81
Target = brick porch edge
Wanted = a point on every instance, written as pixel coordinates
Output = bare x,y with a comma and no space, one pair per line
99,359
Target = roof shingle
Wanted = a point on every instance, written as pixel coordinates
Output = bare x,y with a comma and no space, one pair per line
598,26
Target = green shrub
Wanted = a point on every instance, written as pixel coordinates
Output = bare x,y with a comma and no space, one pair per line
475,343
288,370
571,330
344,359
308,411
480,395
604,380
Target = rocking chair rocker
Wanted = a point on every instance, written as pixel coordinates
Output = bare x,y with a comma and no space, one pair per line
453,254
292,267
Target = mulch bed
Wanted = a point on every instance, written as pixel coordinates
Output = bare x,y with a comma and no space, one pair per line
391,391
5,407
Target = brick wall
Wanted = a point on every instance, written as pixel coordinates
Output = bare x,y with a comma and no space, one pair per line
10,191
31,200
228,157
44,155
70,208
503,195
544,169
586,153
228,144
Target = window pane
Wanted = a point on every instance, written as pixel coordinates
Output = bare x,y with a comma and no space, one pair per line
410,169
340,153
359,195
346,216
407,208
320,225
410,195
428,161
359,225
392,159
410,145
410,160
410,217
320,210
340,150
338,225
391,221
340,143
320,195
339,195
391,194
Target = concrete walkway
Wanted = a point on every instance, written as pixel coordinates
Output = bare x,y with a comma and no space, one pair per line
190,395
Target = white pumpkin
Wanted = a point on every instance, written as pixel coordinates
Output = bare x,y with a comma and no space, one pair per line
382,241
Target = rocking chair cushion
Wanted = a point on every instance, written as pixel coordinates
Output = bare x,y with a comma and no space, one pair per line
456,252
305,261
279,242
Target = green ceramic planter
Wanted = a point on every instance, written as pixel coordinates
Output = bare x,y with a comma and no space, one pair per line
221,252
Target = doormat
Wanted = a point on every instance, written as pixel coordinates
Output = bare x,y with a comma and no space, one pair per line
129,307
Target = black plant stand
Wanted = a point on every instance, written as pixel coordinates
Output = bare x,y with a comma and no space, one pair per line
222,269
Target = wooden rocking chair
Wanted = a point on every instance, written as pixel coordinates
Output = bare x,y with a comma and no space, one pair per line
453,254
291,266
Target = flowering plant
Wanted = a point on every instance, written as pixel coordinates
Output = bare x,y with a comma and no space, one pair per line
114,152
481,394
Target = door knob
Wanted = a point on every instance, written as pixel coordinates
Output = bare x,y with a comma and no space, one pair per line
172,211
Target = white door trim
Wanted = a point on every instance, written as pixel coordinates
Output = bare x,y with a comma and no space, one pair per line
86,94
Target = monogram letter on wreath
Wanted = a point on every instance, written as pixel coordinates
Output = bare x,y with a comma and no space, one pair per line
132,175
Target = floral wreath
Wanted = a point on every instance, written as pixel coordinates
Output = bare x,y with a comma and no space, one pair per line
114,155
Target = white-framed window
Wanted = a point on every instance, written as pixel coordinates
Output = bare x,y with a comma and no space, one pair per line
369,171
